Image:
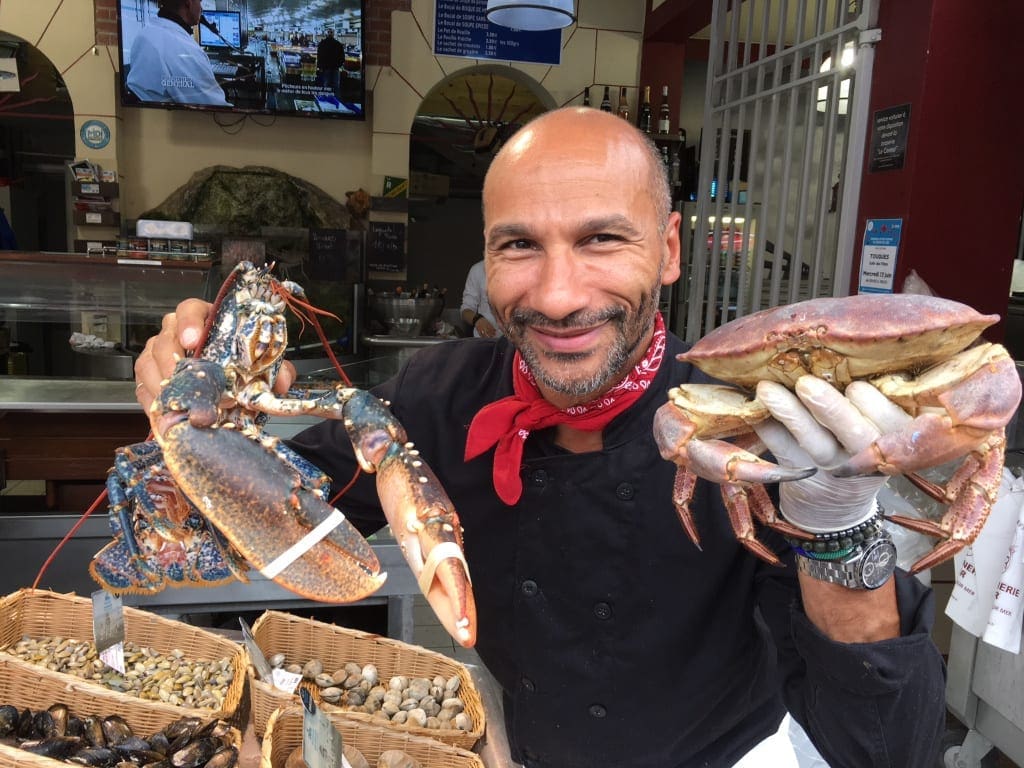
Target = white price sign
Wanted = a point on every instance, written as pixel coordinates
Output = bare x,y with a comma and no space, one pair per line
321,742
108,628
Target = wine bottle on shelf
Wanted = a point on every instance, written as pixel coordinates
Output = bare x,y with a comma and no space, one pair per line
606,102
623,103
664,119
679,189
586,96
644,120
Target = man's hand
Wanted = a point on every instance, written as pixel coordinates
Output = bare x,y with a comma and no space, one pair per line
180,334
816,424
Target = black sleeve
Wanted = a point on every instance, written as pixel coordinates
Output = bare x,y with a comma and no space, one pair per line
864,705
328,446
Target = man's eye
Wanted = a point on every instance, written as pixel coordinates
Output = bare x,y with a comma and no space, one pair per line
518,245
604,237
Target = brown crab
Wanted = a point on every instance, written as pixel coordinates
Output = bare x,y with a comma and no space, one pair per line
915,349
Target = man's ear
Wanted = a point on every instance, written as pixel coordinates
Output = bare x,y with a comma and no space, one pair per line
672,267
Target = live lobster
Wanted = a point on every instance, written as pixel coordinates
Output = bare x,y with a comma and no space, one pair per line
214,493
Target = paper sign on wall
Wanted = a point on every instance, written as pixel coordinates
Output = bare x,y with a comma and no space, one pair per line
878,256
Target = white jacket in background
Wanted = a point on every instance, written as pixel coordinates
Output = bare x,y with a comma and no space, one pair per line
166,64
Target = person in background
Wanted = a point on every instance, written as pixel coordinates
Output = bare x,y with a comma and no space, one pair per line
330,56
615,640
476,310
167,65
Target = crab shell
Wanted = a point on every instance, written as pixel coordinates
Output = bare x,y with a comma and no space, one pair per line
838,339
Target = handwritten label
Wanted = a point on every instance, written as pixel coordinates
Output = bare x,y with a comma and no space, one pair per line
321,742
108,628
386,248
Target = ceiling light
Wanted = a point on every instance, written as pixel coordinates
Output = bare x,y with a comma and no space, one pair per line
531,15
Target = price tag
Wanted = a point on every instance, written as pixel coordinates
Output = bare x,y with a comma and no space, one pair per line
91,217
90,189
321,742
108,628
258,659
285,681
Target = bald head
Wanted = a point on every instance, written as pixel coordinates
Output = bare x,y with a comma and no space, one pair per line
582,133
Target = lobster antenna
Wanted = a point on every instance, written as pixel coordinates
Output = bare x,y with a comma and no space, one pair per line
67,537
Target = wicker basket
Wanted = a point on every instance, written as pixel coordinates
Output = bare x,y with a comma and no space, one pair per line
24,685
284,734
39,613
304,639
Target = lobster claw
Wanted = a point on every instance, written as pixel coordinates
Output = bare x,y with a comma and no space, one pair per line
422,517
285,530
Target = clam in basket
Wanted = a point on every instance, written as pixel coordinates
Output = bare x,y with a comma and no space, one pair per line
284,735
303,640
160,654
26,687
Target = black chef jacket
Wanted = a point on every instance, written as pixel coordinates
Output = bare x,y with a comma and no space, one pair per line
615,640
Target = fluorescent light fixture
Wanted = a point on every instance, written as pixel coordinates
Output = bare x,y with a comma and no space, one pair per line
845,62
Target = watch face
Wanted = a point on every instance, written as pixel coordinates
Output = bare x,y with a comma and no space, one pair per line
878,563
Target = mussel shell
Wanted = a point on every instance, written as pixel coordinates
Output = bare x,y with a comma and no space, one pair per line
184,726
75,727
196,753
43,725
9,716
95,756
159,742
115,729
60,715
93,732
225,757
57,747
165,763
26,724
134,746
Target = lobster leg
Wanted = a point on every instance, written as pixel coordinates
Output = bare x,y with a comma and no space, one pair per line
422,517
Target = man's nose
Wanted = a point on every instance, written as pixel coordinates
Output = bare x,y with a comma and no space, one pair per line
561,287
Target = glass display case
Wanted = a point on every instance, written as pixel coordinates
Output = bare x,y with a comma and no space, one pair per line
76,315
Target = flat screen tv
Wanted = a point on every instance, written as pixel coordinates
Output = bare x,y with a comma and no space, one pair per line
271,57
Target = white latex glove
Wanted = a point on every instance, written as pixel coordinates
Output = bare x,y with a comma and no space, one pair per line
817,425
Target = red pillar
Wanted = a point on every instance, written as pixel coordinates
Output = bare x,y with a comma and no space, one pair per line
960,192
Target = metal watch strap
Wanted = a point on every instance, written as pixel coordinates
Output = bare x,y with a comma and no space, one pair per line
868,566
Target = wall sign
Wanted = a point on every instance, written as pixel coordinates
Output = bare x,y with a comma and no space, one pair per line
461,29
878,256
95,134
385,251
889,130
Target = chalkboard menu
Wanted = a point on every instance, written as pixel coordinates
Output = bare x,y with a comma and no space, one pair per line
335,254
461,28
385,251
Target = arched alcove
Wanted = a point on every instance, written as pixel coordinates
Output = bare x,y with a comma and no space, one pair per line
37,138
460,125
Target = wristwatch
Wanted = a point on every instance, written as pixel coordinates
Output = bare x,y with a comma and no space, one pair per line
868,564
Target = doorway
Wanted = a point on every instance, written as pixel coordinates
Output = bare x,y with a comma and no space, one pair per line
460,126
37,138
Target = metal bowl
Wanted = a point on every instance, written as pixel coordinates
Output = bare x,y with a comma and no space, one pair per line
406,317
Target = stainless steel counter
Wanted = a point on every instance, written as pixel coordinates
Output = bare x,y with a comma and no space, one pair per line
50,395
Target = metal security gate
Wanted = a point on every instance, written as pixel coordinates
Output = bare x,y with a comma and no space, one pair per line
785,120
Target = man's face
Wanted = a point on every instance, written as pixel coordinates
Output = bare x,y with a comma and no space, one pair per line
191,10
575,252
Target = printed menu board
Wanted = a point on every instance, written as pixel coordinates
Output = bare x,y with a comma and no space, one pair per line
461,29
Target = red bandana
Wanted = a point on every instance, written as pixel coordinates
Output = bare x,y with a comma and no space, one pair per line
508,422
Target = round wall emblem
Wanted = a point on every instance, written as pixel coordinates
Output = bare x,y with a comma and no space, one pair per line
95,134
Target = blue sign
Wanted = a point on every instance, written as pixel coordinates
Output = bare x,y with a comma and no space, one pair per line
95,134
878,256
461,29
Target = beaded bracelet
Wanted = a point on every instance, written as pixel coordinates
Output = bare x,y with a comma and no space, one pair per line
836,544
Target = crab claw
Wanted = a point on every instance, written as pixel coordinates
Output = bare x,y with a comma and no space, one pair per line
285,531
422,517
